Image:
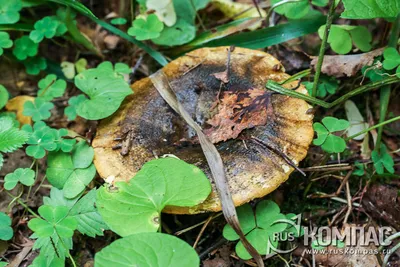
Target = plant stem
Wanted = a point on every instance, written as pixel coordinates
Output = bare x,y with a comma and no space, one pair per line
379,125
362,89
24,205
323,47
384,96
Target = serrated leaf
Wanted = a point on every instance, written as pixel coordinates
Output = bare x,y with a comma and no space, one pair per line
6,232
83,209
38,110
52,247
160,182
148,249
23,175
3,96
361,9
42,261
106,91
11,138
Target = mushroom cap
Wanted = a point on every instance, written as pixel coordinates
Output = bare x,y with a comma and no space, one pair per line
151,128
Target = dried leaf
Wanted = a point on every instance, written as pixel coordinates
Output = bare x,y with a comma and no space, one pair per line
17,104
346,65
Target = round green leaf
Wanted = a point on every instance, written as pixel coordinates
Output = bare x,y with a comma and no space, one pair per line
334,144
145,29
322,134
334,125
106,91
38,110
74,103
46,27
292,10
178,34
5,41
9,11
24,47
82,155
6,232
247,223
160,182
35,65
24,176
261,240
51,87
3,96
392,58
148,249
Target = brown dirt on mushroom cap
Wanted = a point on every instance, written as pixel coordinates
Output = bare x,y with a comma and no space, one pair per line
155,129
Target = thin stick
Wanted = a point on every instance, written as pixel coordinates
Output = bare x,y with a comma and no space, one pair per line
373,127
202,231
350,207
323,47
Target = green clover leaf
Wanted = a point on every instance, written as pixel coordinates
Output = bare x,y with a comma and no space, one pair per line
6,232
35,65
292,10
259,229
63,144
51,88
41,139
119,68
342,37
54,220
24,176
326,86
9,11
24,47
391,60
5,41
326,139
38,110
118,21
145,29
46,27
382,160
3,96
359,170
106,91
74,103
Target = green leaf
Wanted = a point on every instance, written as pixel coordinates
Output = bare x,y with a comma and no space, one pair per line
74,102
35,65
11,138
41,139
267,214
24,47
118,21
160,182
326,85
359,171
9,11
82,155
46,27
38,110
63,144
247,223
148,249
391,58
292,10
342,37
3,96
382,160
24,176
326,139
82,209
62,174
145,29
54,220
68,69
5,41
6,232
51,87
42,261
261,240
119,68
81,65
361,9
106,91
184,29
52,247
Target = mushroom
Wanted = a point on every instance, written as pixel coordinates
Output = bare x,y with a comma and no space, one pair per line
258,133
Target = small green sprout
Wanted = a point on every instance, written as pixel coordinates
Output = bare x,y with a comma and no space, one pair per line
51,87
326,139
24,176
145,29
382,160
24,47
5,41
